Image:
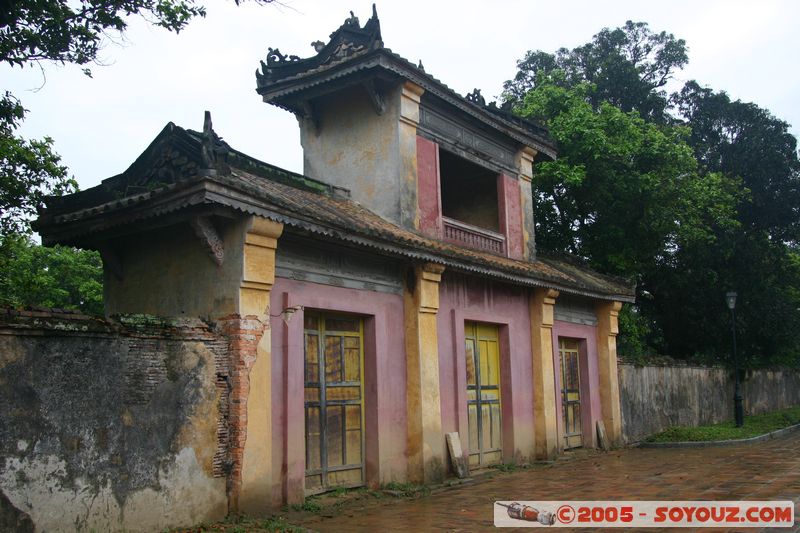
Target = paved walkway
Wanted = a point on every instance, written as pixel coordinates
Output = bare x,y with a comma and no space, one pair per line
768,470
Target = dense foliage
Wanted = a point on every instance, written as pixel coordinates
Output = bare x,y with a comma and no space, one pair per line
628,68
60,276
29,171
690,195
73,32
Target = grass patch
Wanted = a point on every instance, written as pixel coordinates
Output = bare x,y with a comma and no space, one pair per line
406,490
279,523
511,467
753,426
309,505
338,492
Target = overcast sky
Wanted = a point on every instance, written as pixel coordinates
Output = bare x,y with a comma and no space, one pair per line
100,125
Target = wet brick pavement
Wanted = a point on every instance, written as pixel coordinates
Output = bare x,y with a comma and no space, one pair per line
764,471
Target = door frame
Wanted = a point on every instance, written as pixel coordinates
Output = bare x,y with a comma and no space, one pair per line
586,335
579,351
475,335
377,312
322,316
507,345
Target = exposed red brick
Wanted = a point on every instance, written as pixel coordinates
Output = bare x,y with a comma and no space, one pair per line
243,335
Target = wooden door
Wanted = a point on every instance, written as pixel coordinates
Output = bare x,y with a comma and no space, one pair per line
334,401
569,353
483,394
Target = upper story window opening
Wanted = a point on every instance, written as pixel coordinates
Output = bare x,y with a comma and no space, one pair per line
470,209
469,192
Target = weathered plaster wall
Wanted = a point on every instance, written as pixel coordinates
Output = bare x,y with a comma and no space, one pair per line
464,298
109,427
181,277
384,380
656,397
351,146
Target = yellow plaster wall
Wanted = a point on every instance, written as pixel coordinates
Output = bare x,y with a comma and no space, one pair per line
258,277
607,330
425,438
542,302
410,94
349,145
169,272
524,161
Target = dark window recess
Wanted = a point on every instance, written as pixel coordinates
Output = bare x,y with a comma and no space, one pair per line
469,192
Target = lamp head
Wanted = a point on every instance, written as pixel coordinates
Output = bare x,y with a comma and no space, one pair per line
730,297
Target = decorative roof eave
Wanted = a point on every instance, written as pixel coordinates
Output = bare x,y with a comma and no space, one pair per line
244,203
349,39
289,92
83,227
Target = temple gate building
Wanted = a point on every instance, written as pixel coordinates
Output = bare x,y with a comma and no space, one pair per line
389,295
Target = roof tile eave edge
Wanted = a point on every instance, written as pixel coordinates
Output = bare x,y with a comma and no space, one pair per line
276,214
389,60
71,230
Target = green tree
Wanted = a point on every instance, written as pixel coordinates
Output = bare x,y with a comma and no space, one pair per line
691,204
760,260
29,171
57,276
72,32
624,193
742,139
628,67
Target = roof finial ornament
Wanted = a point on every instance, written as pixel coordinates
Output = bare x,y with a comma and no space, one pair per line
213,150
348,40
352,21
275,56
421,66
207,149
476,98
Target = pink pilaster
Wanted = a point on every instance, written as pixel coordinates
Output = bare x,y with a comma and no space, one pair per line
429,188
510,211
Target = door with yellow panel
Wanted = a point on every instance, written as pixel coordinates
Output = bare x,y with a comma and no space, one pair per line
569,353
334,401
483,394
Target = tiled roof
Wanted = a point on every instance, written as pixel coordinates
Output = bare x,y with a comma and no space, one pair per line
250,186
347,220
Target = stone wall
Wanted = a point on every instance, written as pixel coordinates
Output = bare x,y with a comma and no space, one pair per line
111,425
656,397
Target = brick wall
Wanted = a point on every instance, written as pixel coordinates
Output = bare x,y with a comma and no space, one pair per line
243,336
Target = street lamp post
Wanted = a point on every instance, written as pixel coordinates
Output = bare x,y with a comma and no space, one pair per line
738,407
